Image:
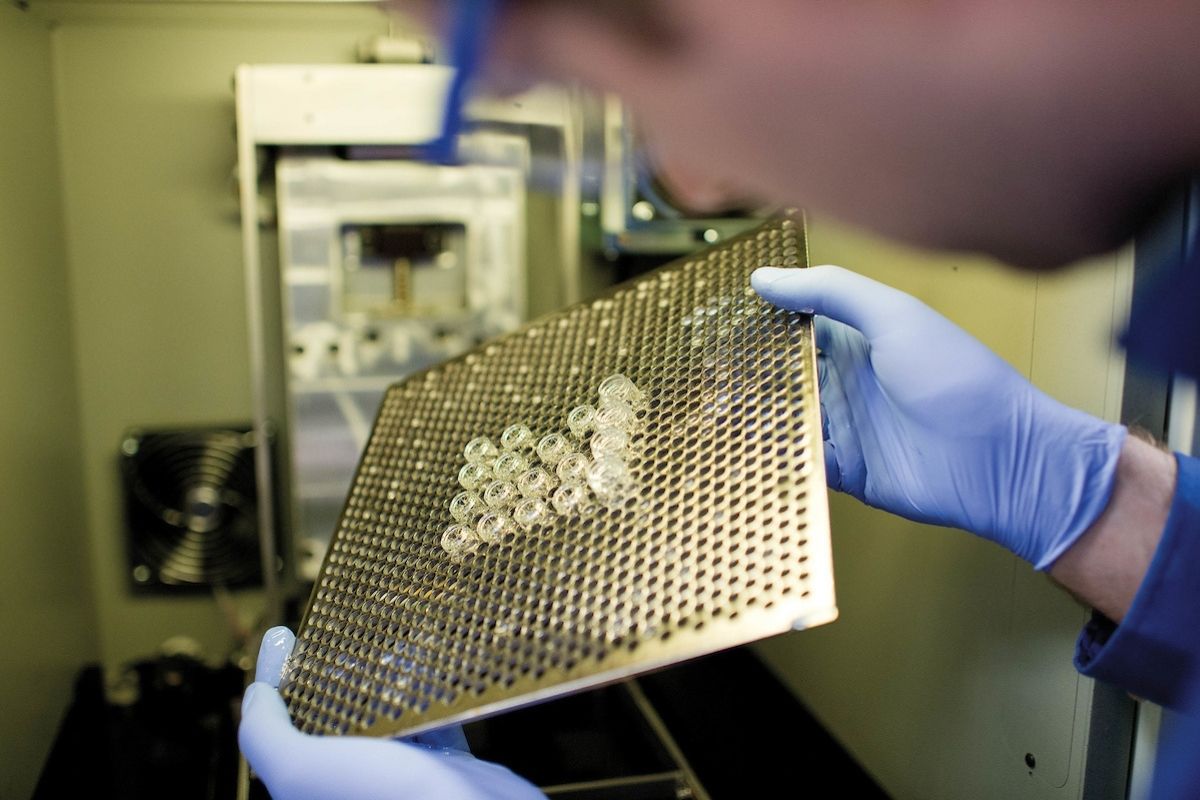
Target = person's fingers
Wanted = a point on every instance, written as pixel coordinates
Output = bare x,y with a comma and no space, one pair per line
844,465
833,472
823,331
451,738
277,644
266,734
864,304
293,764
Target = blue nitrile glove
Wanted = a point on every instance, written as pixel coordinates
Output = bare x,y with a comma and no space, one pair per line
297,766
922,420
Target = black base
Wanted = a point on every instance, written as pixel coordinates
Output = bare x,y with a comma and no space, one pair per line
179,739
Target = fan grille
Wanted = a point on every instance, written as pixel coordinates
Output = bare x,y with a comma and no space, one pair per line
190,503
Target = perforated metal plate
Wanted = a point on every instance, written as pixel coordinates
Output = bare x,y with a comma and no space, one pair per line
724,540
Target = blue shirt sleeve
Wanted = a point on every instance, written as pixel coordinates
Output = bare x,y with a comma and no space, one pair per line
1164,328
1155,652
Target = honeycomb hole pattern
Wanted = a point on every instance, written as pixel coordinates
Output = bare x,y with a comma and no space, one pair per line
724,538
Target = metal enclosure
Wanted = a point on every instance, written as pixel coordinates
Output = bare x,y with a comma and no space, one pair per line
388,267
636,216
385,265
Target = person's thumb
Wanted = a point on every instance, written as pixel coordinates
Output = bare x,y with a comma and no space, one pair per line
834,292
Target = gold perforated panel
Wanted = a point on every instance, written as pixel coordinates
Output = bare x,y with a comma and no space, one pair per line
724,538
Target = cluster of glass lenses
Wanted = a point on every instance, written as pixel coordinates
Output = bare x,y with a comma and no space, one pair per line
529,479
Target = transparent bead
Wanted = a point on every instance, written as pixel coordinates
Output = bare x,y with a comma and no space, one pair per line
619,387
492,527
571,498
530,512
573,468
509,465
480,451
580,420
472,476
499,494
616,414
609,441
535,483
459,541
610,478
552,448
466,506
517,437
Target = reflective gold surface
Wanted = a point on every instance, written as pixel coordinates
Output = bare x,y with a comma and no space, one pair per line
725,539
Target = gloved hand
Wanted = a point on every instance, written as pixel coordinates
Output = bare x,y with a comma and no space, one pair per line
297,766
922,420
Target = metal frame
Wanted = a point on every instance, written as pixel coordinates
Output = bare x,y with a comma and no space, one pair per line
623,233
391,609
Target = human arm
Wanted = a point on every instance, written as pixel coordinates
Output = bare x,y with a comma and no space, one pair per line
1108,563
298,766
922,420
1154,652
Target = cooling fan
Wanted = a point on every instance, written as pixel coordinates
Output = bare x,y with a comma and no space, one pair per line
191,509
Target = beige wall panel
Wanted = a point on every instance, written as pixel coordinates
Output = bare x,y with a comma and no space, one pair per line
46,620
952,659
148,146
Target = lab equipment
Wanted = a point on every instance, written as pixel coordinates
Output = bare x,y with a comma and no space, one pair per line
385,265
534,483
480,451
500,494
517,438
572,468
571,498
466,507
472,476
470,23
581,420
609,441
492,527
552,448
458,540
714,531
509,466
387,268
607,473
609,477
530,511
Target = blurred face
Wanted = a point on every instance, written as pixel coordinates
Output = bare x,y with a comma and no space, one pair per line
639,49
660,60
1002,127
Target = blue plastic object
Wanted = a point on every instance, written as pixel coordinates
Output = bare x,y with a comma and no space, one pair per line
470,24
